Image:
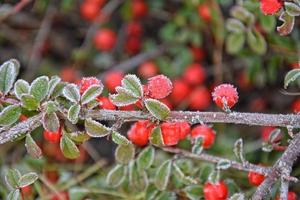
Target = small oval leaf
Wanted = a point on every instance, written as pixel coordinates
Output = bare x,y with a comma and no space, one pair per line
156,137
32,148
12,178
291,76
29,102
91,93
162,175
28,179
13,195
71,92
73,113
68,147
39,88
157,109
116,176
96,129
146,158
119,139
132,83
51,122
123,98
21,87
10,115
8,74
124,153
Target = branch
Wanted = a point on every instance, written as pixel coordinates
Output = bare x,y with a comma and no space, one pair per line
15,9
282,167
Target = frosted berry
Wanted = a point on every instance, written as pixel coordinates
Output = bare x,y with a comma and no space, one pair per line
134,28
170,133
217,191
296,106
113,79
139,132
291,196
199,99
105,39
194,74
147,69
105,103
208,135
53,137
139,8
180,91
87,82
204,12
255,179
225,95
159,86
269,7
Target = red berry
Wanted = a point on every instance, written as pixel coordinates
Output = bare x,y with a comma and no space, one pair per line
258,104
52,176
105,39
167,102
269,7
139,132
296,106
199,98
184,129
53,137
255,178
194,74
113,79
180,91
139,8
291,196
147,69
23,118
218,191
89,10
63,196
225,93
134,28
243,81
295,65
159,86
204,12
26,191
106,103
127,108
198,53
69,74
208,135
265,132
132,45
87,82
170,133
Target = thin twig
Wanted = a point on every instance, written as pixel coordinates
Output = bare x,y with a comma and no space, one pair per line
15,9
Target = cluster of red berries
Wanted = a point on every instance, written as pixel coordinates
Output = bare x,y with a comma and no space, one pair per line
270,7
91,9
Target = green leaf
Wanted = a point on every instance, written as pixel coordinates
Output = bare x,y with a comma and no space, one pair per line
10,115
235,25
29,102
71,92
13,195
32,148
39,88
73,113
124,154
122,98
267,22
156,137
187,180
162,175
8,74
157,109
239,150
194,192
119,139
53,84
78,136
256,42
138,179
51,106
12,178
291,76
28,179
235,42
292,9
91,93
242,14
21,87
132,83
197,147
58,89
116,176
146,158
151,192
96,129
51,122
68,147
237,196
287,25
223,164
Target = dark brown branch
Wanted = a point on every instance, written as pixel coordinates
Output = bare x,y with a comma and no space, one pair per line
282,167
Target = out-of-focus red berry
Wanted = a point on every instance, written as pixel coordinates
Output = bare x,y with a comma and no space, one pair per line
132,45
159,86
184,129
255,178
147,69
139,132
207,133
53,137
170,133
204,12
106,103
199,98
295,65
168,103
87,82
89,10
291,196
69,74
270,7
296,106
243,81
194,74
23,118
225,93
258,104
198,53
113,79
105,39
218,191
134,28
52,176
265,132
180,91
26,192
139,8
63,196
